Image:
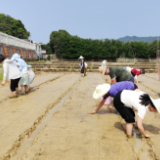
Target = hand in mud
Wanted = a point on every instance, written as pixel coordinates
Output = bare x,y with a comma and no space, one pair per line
147,136
93,112
3,83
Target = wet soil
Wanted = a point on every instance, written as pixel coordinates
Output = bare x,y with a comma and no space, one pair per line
52,122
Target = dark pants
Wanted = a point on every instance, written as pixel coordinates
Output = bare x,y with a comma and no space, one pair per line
126,113
14,84
133,74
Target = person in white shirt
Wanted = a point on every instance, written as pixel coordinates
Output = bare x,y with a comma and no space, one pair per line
11,72
24,81
126,100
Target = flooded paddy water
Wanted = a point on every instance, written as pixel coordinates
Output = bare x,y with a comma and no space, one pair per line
52,122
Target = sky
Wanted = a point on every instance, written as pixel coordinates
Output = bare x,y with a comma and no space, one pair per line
96,19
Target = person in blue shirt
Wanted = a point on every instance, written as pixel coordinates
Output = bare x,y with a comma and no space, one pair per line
107,90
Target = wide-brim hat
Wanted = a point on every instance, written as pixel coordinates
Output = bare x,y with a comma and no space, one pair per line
156,104
101,90
81,57
102,69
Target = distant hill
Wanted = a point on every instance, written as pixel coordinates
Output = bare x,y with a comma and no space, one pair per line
134,38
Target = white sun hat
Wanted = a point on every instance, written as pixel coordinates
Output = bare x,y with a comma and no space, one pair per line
156,104
102,69
81,57
101,90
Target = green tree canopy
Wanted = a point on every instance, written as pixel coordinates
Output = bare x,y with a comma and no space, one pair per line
65,45
13,27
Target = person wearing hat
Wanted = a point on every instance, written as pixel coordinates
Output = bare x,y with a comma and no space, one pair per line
104,63
107,90
82,65
126,100
116,74
136,72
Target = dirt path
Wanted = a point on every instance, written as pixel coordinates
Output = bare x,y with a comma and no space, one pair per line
40,79
52,123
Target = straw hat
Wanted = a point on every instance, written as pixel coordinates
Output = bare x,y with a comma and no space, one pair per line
81,57
156,104
102,69
101,90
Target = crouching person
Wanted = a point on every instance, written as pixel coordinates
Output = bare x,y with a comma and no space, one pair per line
124,102
11,72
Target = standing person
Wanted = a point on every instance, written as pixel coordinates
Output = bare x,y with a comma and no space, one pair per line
136,72
107,90
126,100
24,81
11,72
82,65
116,74
104,63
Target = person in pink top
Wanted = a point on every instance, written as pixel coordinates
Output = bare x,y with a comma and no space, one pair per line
136,72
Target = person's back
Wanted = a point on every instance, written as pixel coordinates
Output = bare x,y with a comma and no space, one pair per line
11,70
119,73
132,99
117,87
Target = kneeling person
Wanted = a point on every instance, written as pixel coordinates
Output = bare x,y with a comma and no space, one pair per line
124,102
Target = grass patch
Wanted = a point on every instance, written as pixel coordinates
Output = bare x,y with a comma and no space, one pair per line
1,76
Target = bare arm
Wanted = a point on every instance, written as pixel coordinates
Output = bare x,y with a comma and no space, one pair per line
99,106
140,127
113,81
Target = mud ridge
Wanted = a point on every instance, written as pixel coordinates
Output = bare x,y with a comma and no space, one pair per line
148,88
12,152
135,155
151,77
37,86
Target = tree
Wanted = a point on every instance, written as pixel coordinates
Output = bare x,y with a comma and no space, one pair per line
13,27
65,45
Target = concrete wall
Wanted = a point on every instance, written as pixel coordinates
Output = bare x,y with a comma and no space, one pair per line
13,42
17,51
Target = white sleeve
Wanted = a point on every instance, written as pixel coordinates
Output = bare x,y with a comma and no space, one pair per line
142,111
5,71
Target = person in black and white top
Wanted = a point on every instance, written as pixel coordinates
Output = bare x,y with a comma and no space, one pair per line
11,72
126,100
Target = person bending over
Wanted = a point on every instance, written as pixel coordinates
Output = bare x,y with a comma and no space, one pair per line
136,72
107,90
124,102
11,72
116,74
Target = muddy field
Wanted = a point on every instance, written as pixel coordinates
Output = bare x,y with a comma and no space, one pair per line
52,122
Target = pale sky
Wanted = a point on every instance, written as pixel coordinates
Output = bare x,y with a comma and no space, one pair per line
96,19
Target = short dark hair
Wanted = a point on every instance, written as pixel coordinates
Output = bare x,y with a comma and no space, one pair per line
2,58
143,71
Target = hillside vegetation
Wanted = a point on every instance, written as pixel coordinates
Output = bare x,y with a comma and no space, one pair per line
65,45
